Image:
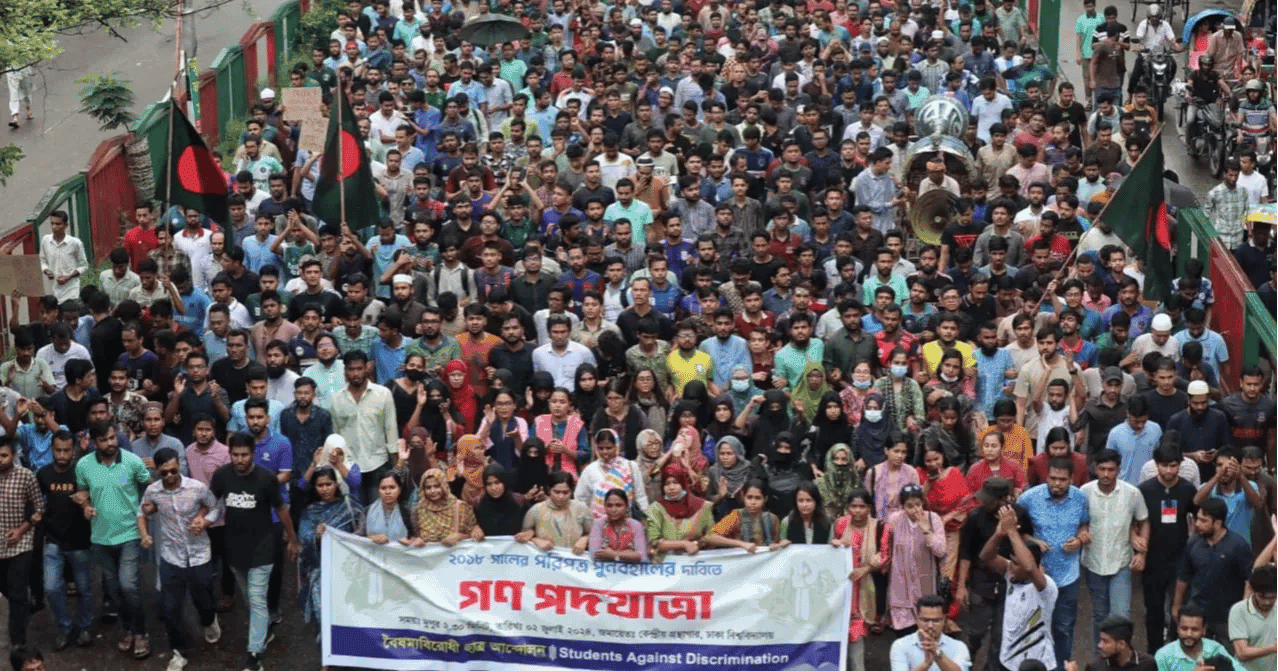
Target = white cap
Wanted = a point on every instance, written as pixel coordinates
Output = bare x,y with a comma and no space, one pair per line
267,94
938,35
1161,322
636,22
401,278
1198,388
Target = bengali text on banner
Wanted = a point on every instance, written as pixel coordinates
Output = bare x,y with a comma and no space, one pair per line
506,606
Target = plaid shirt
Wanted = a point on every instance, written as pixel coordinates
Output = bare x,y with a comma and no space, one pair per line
177,509
173,259
1227,208
20,500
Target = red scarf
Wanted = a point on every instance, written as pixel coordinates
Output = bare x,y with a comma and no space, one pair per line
463,397
690,504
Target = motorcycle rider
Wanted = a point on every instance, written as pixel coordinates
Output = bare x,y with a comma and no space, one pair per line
1205,87
1227,49
1255,116
1153,33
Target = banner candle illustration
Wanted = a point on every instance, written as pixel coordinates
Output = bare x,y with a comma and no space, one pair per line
505,606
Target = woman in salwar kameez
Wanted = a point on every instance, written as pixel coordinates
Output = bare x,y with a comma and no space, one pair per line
862,535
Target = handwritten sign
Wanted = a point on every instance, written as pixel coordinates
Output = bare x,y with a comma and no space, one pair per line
21,272
306,106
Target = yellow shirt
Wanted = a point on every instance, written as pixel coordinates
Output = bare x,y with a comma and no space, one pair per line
932,354
699,366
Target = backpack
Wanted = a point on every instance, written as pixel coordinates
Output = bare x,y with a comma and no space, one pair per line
465,278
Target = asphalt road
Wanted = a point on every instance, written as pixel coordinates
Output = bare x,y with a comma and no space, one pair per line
61,139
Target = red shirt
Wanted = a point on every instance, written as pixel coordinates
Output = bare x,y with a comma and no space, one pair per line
1059,246
767,320
980,472
907,341
1038,469
139,242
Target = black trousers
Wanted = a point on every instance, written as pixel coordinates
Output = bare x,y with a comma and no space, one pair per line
217,540
1156,585
16,585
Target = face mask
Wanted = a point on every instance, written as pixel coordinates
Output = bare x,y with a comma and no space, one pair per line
873,416
949,378
740,385
862,384
899,370
415,374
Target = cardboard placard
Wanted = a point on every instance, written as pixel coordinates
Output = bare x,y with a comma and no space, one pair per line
302,103
21,272
312,135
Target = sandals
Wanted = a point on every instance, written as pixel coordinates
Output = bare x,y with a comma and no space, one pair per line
13,123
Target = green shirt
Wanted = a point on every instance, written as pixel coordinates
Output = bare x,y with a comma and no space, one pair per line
115,492
1105,341
364,343
1086,27
448,350
1172,657
254,304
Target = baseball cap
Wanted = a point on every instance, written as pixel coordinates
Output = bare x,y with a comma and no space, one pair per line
267,94
994,489
1113,374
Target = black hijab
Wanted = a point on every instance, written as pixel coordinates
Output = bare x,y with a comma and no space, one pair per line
533,470
502,516
770,423
695,391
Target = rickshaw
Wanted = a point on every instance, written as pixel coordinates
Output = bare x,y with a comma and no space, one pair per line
1206,22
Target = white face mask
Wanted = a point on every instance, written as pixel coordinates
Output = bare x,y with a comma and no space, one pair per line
873,416
949,378
740,385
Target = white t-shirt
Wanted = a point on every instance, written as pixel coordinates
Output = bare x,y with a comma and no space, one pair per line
1256,186
1027,623
1049,419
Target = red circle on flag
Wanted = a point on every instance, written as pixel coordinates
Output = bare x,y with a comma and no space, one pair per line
197,172
350,156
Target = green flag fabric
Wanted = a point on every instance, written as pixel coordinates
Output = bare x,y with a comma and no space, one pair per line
345,166
1138,214
191,176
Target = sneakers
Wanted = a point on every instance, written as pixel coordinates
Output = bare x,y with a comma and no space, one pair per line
141,647
253,662
84,639
213,632
177,663
126,643
61,642
270,633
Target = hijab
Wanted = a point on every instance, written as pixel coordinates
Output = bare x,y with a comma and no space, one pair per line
587,402
417,459
695,392
674,427
502,516
646,465
337,442
685,506
838,482
805,394
431,417
540,380
770,422
740,399
869,441
464,396
738,474
469,465
828,432
533,471
716,429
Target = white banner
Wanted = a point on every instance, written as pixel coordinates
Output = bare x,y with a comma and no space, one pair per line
501,605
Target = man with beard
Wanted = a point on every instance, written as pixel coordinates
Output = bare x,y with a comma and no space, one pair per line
476,345
1116,651
306,426
273,326
273,452
19,492
1060,514
110,482
66,537
1216,564
1252,413
1100,415
249,492
790,360
152,439
1173,496
403,306
512,354
438,348
232,372
995,369
364,415
1206,429
327,371
1049,365
279,378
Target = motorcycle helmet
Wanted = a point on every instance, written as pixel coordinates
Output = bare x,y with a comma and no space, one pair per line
1154,12
1254,85
1206,62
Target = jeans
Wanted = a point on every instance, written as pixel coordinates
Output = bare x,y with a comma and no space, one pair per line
1156,585
1111,595
15,574
121,580
1114,94
175,581
253,584
81,563
1064,616
277,574
856,655
217,543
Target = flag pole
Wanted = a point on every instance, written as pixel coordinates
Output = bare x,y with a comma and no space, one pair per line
341,169
173,108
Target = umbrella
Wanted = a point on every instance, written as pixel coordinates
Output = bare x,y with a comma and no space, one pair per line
493,29
1188,32
1264,213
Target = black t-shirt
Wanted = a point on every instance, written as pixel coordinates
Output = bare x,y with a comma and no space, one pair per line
73,414
978,529
250,533
957,235
232,379
63,521
329,303
1169,510
1075,114
1161,408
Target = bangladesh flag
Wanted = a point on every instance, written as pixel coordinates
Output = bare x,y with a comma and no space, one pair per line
345,167
1138,214
197,180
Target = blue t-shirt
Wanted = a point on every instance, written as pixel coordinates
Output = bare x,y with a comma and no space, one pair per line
275,453
1056,521
990,379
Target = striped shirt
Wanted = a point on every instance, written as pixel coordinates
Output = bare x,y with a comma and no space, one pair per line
1226,207
176,509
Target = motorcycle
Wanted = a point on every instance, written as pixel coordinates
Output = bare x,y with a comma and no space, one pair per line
1263,145
1206,136
1157,78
